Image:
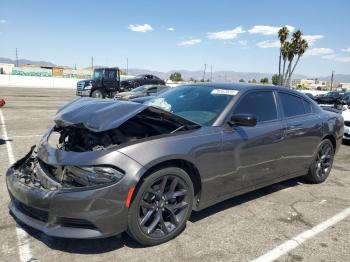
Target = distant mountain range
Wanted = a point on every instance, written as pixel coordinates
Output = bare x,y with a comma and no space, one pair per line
218,76
25,61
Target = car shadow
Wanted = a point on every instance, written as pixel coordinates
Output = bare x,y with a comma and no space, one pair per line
241,199
3,141
98,246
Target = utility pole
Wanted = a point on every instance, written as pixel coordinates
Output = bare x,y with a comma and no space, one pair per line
205,69
332,79
92,63
211,73
127,66
16,57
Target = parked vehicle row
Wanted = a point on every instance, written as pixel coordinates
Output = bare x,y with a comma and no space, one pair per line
142,91
108,166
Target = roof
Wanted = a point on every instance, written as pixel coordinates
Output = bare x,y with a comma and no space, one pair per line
241,86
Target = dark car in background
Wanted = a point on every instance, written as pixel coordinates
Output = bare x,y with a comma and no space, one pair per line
141,91
108,166
140,80
345,99
331,97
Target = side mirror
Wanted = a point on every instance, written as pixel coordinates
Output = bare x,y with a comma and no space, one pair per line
243,120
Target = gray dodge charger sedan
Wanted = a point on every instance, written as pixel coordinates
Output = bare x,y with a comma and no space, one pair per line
111,166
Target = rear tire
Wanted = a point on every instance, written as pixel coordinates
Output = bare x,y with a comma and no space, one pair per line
322,163
136,84
161,207
98,94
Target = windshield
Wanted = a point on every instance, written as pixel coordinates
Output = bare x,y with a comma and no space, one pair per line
200,104
97,74
139,89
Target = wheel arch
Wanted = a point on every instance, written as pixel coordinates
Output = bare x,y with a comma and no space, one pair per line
184,164
332,139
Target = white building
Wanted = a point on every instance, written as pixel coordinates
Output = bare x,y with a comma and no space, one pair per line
344,86
6,69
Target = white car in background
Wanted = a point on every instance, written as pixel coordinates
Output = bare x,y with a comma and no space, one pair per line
346,116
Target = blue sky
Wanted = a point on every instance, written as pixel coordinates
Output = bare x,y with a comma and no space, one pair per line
165,35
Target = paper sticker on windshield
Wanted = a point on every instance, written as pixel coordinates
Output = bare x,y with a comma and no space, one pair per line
228,92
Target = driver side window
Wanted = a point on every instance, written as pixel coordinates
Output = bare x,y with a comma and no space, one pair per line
260,104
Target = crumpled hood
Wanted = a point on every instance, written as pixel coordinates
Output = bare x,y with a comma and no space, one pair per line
96,114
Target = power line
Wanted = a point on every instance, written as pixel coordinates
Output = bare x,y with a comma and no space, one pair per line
205,68
127,65
332,79
211,73
16,57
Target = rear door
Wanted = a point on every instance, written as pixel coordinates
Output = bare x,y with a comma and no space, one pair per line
302,134
255,152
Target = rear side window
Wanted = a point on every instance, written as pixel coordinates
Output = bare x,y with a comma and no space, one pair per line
261,104
292,105
308,107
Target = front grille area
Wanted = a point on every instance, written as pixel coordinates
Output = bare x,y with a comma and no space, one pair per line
76,223
347,135
347,123
32,212
80,86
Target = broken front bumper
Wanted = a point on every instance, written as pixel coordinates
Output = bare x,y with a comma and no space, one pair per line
72,213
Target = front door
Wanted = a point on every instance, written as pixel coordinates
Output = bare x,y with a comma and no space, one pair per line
255,152
110,80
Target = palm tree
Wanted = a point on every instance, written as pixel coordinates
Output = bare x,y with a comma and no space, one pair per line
285,50
303,46
282,35
295,46
288,51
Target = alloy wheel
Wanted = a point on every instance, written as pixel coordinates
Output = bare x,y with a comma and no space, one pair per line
163,206
324,160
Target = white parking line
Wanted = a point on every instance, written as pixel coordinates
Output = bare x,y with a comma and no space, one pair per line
299,239
24,251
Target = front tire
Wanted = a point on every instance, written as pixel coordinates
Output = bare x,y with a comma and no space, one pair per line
322,163
161,207
98,94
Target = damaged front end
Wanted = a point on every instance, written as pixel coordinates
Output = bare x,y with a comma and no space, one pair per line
76,177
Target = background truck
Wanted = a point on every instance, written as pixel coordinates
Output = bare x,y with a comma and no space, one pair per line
106,82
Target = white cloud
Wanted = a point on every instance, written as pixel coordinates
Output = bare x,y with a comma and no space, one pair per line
226,35
268,44
3,21
268,30
140,28
190,42
337,58
346,49
243,42
171,29
319,51
312,38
